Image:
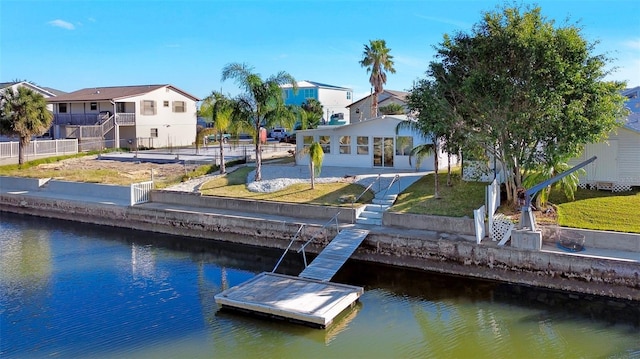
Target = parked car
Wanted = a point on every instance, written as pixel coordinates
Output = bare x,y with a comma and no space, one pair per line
289,138
278,133
213,138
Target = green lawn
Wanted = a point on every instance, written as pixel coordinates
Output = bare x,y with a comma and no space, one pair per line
459,200
324,194
599,210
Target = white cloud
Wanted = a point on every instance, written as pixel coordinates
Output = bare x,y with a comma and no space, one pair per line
633,44
62,24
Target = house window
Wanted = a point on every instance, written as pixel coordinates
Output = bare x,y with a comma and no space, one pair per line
325,143
62,108
345,145
348,95
165,103
121,107
179,106
154,132
307,141
308,93
147,107
363,145
404,144
93,106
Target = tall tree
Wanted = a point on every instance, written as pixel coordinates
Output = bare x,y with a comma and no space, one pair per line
377,60
221,110
23,113
433,121
262,100
528,90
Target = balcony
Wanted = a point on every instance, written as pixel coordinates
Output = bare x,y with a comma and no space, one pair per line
82,119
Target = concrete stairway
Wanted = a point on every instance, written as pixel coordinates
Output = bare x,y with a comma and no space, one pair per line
372,213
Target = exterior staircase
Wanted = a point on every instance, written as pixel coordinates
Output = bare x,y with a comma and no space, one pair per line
372,213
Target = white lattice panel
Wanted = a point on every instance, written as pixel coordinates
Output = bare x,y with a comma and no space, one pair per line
620,187
501,230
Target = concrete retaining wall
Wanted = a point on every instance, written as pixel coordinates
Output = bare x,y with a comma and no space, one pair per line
110,192
273,208
21,183
430,223
446,254
629,242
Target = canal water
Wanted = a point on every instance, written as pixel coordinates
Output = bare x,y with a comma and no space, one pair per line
69,290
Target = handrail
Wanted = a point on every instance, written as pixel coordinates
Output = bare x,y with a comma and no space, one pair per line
396,177
365,191
287,249
304,255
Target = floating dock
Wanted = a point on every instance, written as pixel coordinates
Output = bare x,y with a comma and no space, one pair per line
308,298
304,300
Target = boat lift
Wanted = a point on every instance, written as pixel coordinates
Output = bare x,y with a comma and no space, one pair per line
527,219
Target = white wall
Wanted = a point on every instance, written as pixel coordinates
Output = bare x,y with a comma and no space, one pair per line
174,129
379,127
335,101
618,159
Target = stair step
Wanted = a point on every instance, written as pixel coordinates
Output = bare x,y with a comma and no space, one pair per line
373,221
376,207
383,201
370,214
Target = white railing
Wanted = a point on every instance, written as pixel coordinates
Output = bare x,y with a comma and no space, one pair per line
40,148
126,118
140,192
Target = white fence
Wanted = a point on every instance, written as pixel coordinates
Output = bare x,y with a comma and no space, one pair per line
140,192
499,229
40,148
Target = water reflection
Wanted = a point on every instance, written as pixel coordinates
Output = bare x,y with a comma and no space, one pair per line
71,290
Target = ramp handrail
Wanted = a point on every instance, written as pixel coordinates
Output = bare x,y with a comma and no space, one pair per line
289,246
304,255
365,191
384,195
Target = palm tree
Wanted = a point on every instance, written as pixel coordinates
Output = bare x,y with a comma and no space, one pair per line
313,114
316,156
548,170
377,60
23,113
221,109
263,101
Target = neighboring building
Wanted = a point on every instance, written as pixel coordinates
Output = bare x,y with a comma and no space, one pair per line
361,109
334,99
148,115
370,144
618,163
44,91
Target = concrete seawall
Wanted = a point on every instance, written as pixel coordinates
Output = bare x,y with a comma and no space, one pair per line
437,251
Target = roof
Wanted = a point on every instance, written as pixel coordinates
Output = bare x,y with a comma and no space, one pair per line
633,122
44,90
397,118
385,95
307,83
112,93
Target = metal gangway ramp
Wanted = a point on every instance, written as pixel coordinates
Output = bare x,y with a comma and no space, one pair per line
333,257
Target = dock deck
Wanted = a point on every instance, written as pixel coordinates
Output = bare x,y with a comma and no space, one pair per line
308,298
309,301
333,257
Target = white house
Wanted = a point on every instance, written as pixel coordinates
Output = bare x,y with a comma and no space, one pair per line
618,163
44,91
334,99
148,115
371,143
361,110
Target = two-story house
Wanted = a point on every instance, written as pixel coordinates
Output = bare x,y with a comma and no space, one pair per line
122,116
334,99
361,110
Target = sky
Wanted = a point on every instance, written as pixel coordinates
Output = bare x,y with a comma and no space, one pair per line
71,45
